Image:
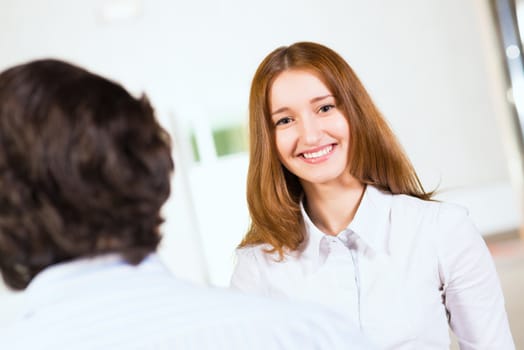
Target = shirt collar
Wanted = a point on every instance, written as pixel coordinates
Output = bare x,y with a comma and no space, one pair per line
370,223
50,284
311,246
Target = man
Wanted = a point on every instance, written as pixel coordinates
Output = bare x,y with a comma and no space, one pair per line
84,171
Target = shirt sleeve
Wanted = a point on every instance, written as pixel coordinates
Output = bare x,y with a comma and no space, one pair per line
472,292
246,275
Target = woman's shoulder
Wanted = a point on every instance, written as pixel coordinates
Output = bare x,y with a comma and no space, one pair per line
255,251
435,207
435,214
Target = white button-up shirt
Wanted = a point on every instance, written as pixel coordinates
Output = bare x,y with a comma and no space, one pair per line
401,270
105,303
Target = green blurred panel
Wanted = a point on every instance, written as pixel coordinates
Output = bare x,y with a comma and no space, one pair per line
227,140
230,140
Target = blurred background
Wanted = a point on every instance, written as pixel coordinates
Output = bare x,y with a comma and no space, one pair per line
447,74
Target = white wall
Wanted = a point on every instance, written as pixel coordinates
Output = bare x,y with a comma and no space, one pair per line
431,66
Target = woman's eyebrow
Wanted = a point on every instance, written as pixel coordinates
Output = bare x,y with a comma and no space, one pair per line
280,110
319,98
313,100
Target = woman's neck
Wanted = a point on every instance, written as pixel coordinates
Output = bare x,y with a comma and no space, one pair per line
332,207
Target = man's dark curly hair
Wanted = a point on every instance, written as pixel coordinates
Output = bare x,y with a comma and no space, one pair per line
84,169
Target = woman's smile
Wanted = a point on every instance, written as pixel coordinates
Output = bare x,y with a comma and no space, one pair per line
318,155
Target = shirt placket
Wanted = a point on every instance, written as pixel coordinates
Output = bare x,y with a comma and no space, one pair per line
343,259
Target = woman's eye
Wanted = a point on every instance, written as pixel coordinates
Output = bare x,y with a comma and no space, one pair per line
283,121
326,108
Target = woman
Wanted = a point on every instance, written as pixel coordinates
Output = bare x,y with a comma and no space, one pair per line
340,217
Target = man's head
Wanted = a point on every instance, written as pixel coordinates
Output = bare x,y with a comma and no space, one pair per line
84,169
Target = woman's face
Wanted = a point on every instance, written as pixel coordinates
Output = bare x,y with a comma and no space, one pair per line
311,133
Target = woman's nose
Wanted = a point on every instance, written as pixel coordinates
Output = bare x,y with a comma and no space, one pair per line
311,130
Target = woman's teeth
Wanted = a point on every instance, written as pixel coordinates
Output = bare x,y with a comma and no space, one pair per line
317,154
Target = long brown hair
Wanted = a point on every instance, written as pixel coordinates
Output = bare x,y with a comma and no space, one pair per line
376,157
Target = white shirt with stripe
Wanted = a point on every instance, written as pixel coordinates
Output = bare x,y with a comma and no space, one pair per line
401,268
